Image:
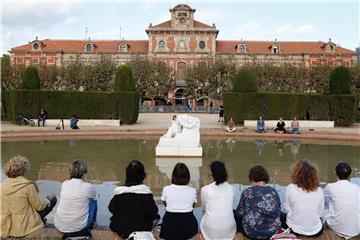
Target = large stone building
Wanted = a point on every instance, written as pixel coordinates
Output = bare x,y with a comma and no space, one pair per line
181,42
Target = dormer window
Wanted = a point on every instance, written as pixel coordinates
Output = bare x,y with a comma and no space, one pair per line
161,45
182,14
242,48
88,47
329,48
275,49
123,47
36,46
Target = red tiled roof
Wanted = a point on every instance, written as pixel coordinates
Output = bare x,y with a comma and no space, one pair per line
104,46
167,24
264,47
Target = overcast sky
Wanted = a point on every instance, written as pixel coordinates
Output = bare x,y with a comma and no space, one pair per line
304,20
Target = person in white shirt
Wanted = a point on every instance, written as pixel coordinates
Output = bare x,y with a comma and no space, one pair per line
342,199
179,222
304,201
76,213
217,201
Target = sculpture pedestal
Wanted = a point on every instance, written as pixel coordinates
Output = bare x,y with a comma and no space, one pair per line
178,151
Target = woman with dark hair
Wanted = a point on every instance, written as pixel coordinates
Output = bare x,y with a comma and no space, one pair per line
258,212
304,201
217,203
179,222
133,207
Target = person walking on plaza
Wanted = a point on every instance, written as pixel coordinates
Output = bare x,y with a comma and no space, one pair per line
258,212
133,207
342,201
22,211
221,114
217,204
42,117
76,213
303,206
179,222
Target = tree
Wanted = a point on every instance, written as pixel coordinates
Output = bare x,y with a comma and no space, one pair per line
245,81
198,77
103,71
5,72
355,75
222,72
340,81
319,75
48,75
124,80
30,78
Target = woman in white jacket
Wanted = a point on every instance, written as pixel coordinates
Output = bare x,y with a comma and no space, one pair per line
217,203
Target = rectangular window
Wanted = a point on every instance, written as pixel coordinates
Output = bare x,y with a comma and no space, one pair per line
35,60
182,14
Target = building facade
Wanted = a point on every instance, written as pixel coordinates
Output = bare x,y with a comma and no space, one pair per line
181,42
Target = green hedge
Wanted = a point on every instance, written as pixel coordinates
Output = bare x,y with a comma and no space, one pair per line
248,106
63,104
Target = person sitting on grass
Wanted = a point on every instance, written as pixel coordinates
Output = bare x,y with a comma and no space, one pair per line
133,207
295,126
22,211
76,213
231,126
260,125
342,200
258,213
73,122
280,126
42,117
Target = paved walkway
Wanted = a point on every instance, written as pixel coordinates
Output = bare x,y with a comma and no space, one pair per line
157,124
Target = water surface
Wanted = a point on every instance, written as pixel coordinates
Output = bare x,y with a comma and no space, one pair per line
107,160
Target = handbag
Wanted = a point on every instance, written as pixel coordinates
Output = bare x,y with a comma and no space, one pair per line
141,236
284,235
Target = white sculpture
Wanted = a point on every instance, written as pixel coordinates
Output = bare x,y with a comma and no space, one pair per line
182,138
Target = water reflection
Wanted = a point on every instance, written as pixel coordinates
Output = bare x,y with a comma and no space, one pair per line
166,165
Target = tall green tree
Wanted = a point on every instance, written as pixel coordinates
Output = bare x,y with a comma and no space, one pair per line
340,81
124,80
245,81
30,78
6,81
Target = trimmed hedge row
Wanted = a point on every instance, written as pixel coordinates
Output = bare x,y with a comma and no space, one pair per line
248,106
63,104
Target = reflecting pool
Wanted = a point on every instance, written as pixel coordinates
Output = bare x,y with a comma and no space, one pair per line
108,158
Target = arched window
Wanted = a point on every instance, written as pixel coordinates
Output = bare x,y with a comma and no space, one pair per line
275,49
88,47
123,47
161,45
242,48
181,70
329,48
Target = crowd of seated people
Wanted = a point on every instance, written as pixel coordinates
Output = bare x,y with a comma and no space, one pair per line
280,126
306,209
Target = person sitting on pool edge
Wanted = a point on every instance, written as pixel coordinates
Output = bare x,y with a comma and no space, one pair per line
73,122
280,126
295,126
341,199
76,213
133,207
260,125
231,126
23,211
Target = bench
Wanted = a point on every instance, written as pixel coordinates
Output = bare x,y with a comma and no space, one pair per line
86,122
303,124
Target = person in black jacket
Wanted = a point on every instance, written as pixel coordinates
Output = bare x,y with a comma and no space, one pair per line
133,207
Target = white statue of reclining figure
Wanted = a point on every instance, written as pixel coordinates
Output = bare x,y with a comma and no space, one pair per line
183,132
